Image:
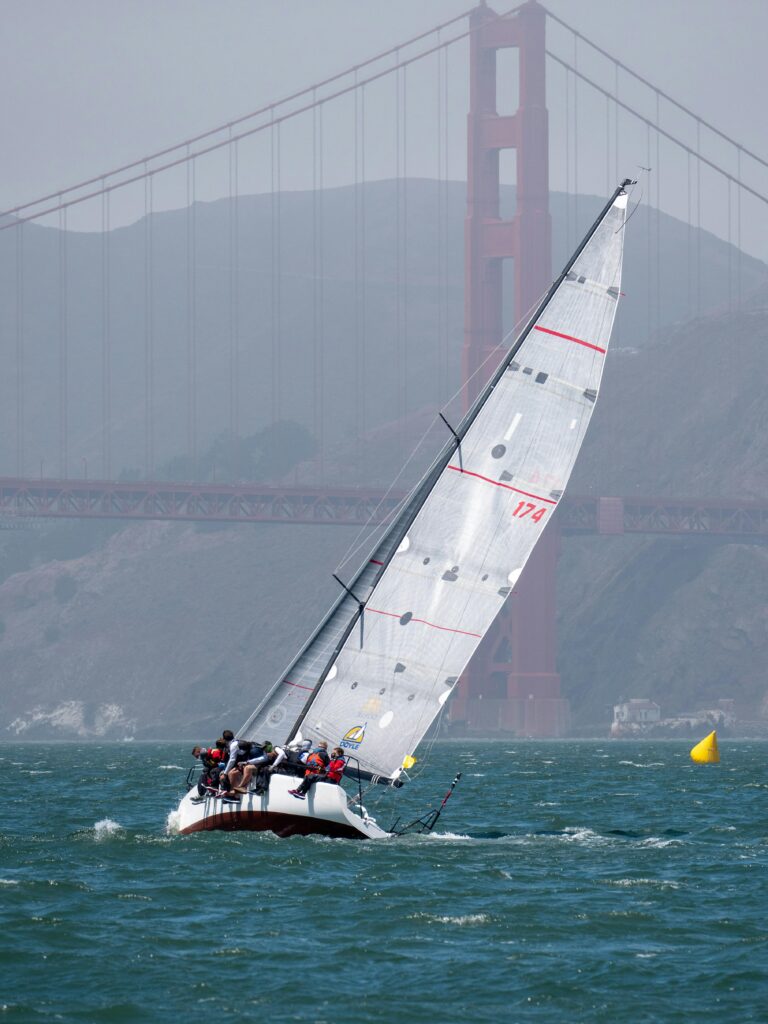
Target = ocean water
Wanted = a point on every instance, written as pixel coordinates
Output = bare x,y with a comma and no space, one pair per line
580,881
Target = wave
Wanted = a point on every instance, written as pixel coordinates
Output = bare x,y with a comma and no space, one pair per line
173,823
106,827
459,919
170,767
662,883
9,881
640,764
656,843
581,835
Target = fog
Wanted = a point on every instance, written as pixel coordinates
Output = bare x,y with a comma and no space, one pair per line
89,85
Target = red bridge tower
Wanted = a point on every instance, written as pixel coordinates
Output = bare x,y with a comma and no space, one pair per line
512,684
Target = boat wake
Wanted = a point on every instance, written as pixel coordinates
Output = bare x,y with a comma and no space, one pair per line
173,823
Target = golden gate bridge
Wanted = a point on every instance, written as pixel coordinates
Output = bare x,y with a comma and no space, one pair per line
383,109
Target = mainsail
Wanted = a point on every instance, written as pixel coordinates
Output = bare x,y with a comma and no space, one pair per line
381,665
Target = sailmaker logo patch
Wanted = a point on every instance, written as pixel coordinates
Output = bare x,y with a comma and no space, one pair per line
353,737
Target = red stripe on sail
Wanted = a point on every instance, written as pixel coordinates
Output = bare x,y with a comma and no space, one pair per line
447,629
498,483
570,337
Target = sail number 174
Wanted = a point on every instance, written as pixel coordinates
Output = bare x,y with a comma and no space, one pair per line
526,508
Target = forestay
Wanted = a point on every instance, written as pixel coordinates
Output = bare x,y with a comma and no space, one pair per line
374,680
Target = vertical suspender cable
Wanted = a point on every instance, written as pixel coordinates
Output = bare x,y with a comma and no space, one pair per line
657,169
106,369
275,217
356,272
698,218
315,354
648,235
576,226
20,350
321,286
233,209
689,189
191,318
405,241
148,328
445,215
617,162
317,283
439,232
568,245
738,228
730,250
399,405
607,145
63,353
363,339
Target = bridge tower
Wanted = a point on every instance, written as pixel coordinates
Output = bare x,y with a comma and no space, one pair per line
512,684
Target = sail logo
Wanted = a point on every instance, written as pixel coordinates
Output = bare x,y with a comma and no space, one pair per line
353,737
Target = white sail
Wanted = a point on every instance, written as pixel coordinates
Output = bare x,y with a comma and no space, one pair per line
440,576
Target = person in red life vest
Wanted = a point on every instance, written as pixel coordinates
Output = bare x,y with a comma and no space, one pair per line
210,760
321,769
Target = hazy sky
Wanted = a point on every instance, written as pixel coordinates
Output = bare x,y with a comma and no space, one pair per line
88,84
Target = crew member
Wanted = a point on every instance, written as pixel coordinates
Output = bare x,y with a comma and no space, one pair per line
330,770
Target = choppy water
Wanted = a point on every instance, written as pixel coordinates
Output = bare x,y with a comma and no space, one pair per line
600,882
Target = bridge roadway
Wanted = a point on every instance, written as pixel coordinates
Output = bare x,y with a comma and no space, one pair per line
269,503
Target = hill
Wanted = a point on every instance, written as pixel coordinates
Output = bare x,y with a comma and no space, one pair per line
160,629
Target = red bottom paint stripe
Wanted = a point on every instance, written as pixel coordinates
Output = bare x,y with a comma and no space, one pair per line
569,337
297,685
375,561
446,629
498,483
283,825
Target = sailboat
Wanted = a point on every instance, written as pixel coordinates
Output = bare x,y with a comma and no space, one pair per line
382,663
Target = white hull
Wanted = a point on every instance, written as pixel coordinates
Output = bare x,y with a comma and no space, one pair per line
325,811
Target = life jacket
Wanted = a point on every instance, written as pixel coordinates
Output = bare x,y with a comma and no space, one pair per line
316,762
336,769
210,758
244,748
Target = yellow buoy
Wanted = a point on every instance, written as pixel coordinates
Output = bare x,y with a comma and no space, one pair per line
706,751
